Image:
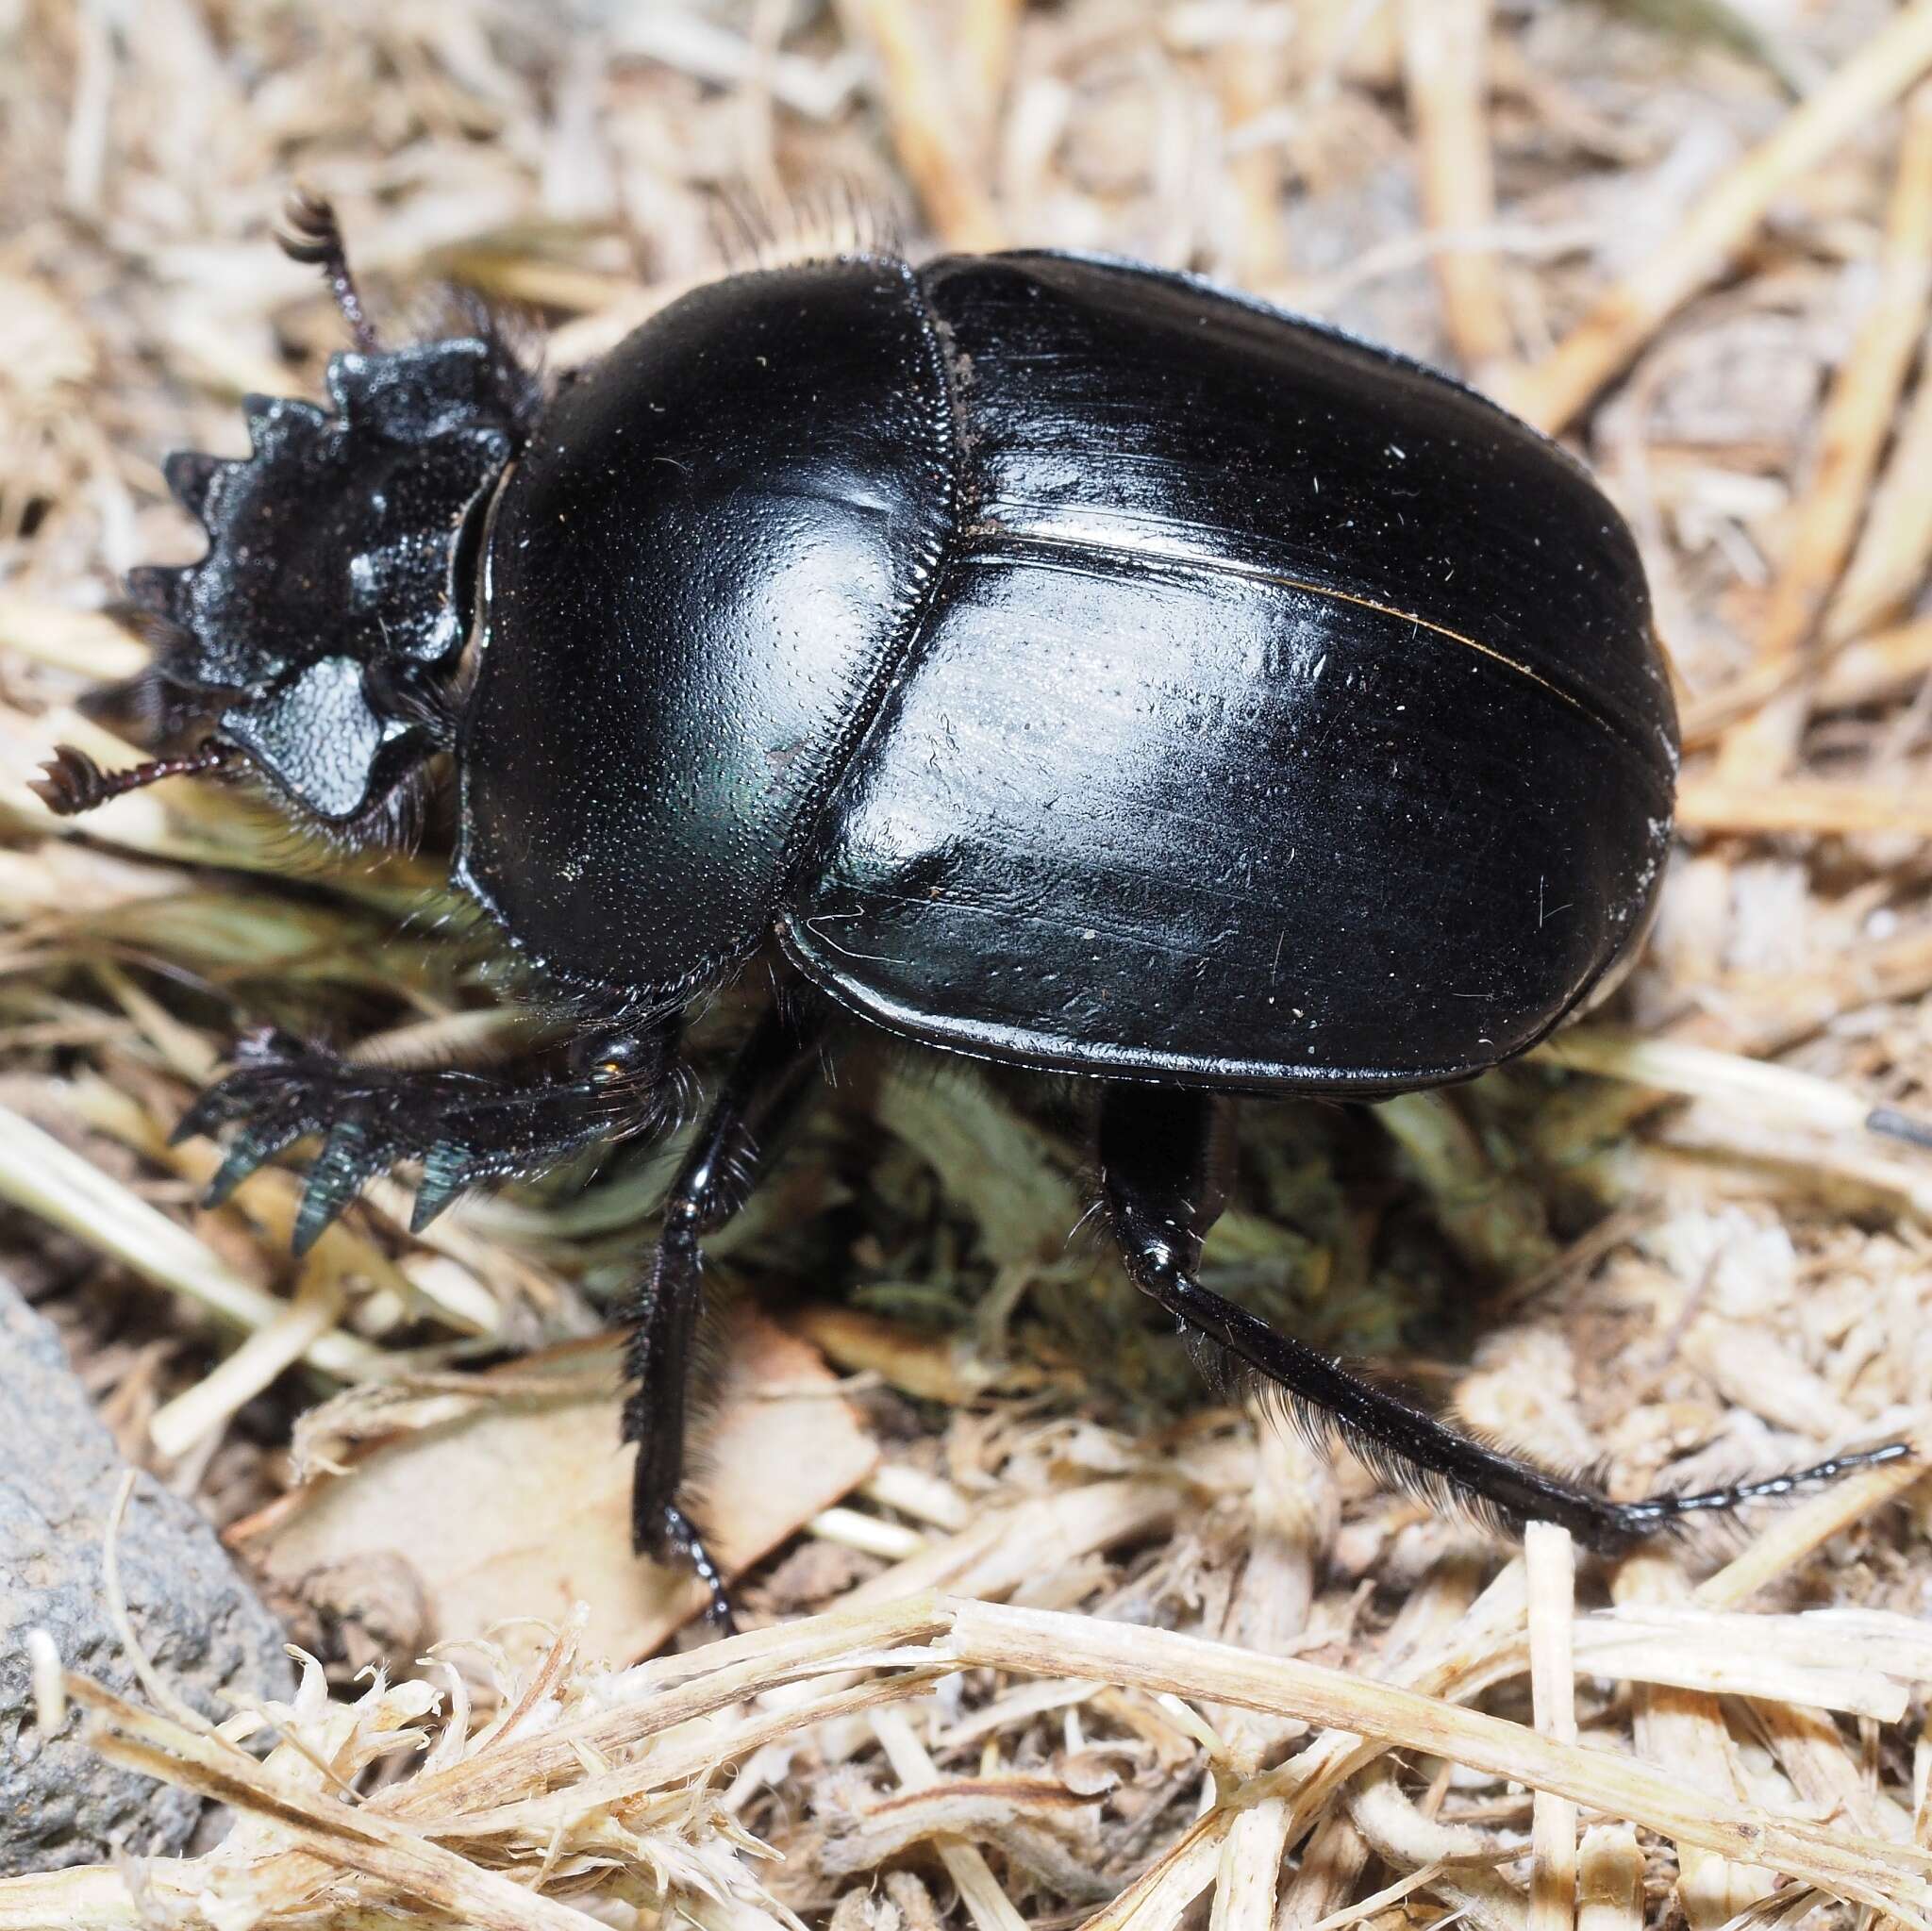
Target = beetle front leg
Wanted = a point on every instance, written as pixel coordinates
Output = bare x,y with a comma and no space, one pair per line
1164,1161
465,1128
760,1095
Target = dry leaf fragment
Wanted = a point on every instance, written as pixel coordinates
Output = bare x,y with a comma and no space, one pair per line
521,1507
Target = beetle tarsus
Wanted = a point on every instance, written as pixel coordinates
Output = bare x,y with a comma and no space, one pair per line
1164,1162
675,1540
466,1128
1646,1517
761,1094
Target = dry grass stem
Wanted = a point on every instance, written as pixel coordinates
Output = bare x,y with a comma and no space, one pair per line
1550,1559
1609,1879
606,1746
919,84
1331,1865
317,1305
1703,1072
1852,432
1685,1731
1845,674
1895,545
988,1906
1820,807
1445,47
1159,1896
1883,1875
1722,219
48,1179
1379,1901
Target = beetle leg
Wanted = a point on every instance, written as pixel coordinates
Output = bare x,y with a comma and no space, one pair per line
762,1093
465,1128
1163,1154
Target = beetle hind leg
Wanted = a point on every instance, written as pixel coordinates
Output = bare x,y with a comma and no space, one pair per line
761,1094
1164,1156
465,1128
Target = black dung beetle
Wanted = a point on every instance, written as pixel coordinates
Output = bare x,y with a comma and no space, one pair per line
1038,656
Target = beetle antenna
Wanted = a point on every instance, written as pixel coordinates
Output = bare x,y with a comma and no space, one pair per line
312,235
74,783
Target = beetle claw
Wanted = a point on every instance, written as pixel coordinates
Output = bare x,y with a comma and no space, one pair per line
349,1159
447,1171
466,1128
250,1152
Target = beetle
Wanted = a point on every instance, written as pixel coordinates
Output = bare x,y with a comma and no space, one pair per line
1037,655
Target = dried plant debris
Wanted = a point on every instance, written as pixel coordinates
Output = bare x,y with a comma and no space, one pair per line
585,1782
1038,1631
555,1535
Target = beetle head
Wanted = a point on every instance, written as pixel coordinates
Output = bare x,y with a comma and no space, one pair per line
320,634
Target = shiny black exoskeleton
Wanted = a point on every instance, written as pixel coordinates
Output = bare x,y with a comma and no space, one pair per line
1040,656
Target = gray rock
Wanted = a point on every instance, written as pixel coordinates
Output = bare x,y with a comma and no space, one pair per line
208,1633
